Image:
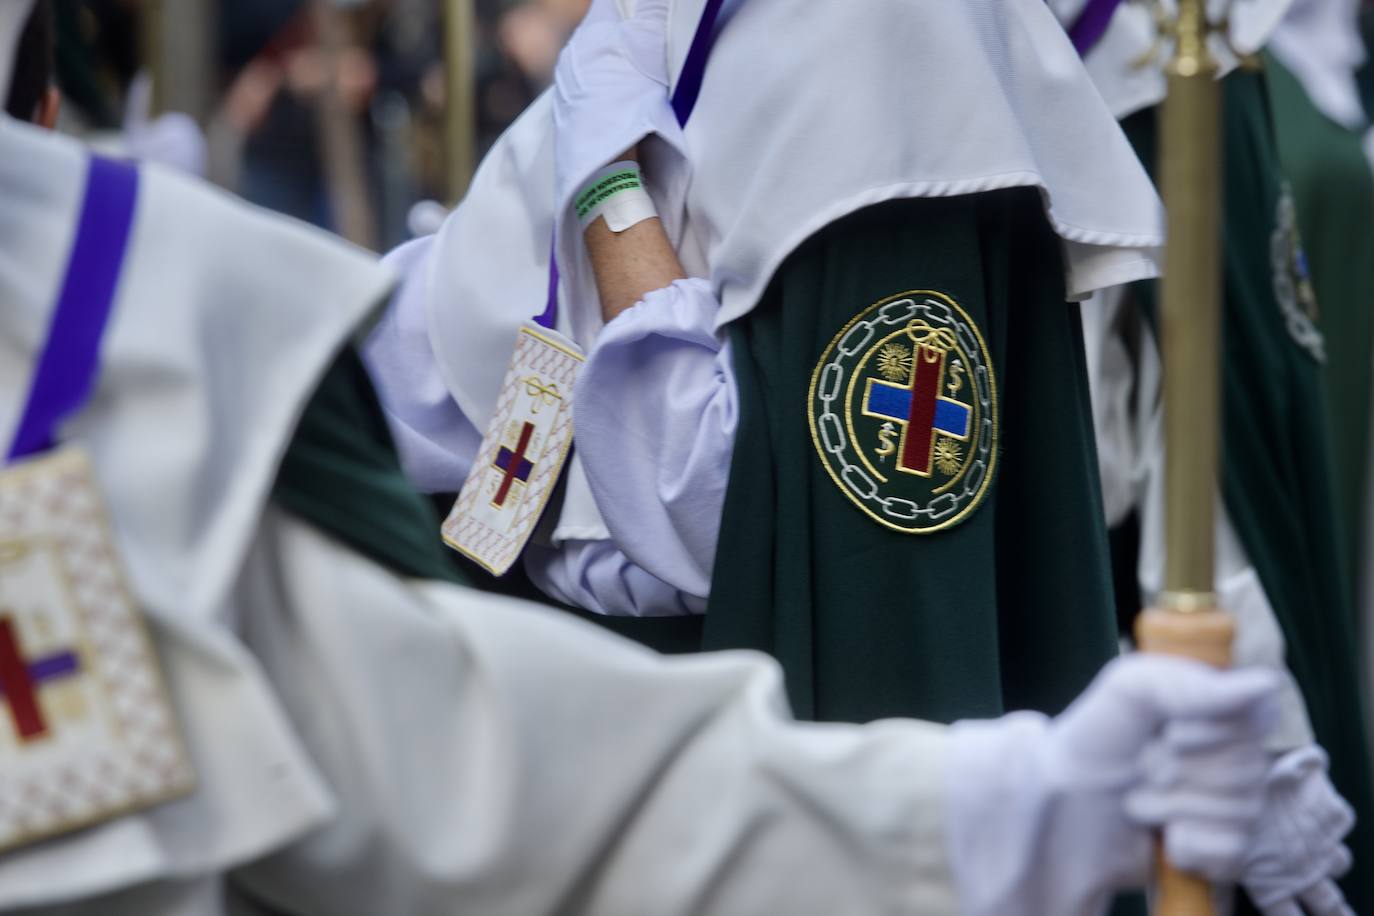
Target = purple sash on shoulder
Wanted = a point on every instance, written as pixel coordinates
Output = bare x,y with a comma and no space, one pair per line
67,367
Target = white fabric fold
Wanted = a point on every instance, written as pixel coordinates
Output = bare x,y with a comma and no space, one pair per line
504,759
890,100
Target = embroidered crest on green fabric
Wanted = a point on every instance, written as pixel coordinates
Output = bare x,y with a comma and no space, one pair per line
903,412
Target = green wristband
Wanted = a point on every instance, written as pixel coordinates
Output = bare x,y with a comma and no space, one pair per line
604,187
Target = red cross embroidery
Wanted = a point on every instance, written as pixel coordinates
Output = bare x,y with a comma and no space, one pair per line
515,467
20,680
919,407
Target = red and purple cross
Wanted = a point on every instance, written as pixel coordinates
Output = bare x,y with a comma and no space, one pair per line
920,408
515,467
20,680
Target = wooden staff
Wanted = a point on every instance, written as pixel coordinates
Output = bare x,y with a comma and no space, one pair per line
1187,621
460,97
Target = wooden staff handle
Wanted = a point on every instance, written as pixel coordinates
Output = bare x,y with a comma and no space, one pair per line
1203,634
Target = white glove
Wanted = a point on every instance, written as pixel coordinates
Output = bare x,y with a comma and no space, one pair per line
1297,851
1055,816
610,91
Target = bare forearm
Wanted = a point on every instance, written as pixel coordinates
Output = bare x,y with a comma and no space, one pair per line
628,265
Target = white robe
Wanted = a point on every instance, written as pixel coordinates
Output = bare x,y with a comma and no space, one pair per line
376,745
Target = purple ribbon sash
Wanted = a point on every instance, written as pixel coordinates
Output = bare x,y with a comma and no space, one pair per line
694,67
1091,24
684,101
66,369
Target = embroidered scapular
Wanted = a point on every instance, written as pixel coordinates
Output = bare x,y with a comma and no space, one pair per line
522,455
86,731
903,412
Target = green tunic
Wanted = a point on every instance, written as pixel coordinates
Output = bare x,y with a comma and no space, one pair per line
1334,193
1276,460
1008,608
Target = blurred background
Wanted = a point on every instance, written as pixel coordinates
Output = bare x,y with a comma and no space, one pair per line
344,113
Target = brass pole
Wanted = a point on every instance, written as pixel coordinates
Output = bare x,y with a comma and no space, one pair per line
460,105
177,39
1188,621
150,38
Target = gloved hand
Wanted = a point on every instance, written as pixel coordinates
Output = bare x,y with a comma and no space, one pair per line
1297,851
610,91
1055,816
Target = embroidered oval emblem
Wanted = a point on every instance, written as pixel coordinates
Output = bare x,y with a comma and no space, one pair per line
1292,279
903,412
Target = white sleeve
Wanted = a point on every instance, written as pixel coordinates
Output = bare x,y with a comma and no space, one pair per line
657,410
434,438
491,757
597,576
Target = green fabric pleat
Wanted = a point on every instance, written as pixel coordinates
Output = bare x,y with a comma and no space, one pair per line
1276,459
341,474
1010,609
1334,191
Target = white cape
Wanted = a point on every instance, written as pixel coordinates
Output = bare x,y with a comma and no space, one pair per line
224,320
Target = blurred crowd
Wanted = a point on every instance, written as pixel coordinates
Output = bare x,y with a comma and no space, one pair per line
274,62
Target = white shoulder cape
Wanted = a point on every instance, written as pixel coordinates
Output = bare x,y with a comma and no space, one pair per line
224,320
809,112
